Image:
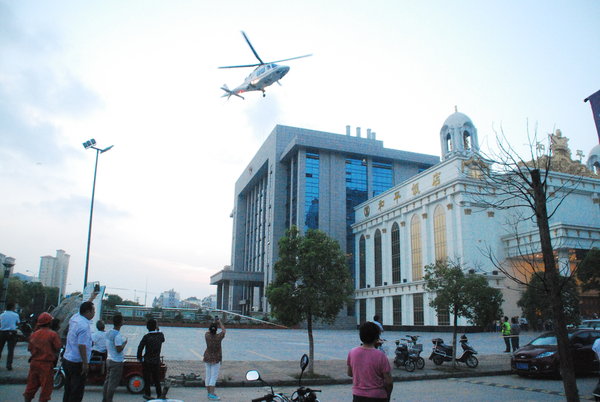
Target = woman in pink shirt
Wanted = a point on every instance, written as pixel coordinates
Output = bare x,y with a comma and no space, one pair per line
369,368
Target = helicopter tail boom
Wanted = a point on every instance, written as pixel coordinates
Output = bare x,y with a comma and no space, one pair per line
229,92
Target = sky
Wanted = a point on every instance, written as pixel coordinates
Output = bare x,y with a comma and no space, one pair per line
143,76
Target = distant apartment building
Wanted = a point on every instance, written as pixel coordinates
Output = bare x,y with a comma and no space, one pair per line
168,299
311,179
210,301
191,302
54,270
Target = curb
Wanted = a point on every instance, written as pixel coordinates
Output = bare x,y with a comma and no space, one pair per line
318,381
340,381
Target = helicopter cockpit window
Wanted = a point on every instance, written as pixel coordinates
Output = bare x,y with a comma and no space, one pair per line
261,70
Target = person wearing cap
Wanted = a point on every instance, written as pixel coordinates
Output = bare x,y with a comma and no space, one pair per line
44,345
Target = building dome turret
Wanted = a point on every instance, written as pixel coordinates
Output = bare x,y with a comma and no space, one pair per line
593,162
458,136
457,119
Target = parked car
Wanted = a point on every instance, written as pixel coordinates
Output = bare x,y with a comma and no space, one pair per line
540,356
593,324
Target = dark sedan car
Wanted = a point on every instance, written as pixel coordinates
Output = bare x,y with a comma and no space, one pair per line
540,356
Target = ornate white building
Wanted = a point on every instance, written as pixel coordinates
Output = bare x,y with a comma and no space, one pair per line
438,214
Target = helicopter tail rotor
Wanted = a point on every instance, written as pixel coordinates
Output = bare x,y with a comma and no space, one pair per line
229,92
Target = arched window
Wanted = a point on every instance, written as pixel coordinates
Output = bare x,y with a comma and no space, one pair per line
362,263
439,233
467,140
596,168
449,142
395,253
377,249
415,248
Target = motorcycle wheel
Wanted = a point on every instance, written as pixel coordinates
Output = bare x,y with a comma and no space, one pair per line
135,384
472,361
58,380
420,363
409,365
438,360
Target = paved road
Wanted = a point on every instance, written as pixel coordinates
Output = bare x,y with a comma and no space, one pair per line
501,389
277,345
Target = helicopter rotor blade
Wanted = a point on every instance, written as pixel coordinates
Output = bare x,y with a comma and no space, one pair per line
252,47
244,65
292,58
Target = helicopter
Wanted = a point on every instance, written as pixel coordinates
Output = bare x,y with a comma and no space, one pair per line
264,74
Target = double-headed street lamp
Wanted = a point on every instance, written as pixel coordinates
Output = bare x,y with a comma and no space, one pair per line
87,145
8,263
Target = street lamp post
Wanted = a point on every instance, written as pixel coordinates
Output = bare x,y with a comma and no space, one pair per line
8,263
91,144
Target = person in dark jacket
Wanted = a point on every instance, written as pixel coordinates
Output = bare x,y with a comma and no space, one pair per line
152,342
515,330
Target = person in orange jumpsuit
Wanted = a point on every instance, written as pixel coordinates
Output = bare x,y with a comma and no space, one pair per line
44,345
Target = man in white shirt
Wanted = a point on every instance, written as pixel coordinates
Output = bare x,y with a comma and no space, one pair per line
8,332
115,343
99,341
596,349
78,352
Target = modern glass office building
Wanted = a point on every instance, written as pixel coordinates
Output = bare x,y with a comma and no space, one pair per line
311,179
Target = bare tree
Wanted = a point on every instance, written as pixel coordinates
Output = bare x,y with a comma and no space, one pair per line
526,187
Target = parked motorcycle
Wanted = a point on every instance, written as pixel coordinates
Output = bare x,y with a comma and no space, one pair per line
415,349
58,379
302,394
25,329
404,357
443,353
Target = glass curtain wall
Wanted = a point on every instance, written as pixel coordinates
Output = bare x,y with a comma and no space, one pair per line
291,193
255,235
356,193
382,177
311,192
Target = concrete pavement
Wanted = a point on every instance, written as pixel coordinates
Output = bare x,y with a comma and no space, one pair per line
281,373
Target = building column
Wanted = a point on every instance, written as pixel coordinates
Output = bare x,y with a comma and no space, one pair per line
564,262
219,295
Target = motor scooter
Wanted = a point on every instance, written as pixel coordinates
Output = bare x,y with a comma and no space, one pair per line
24,329
302,394
415,349
404,357
443,353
